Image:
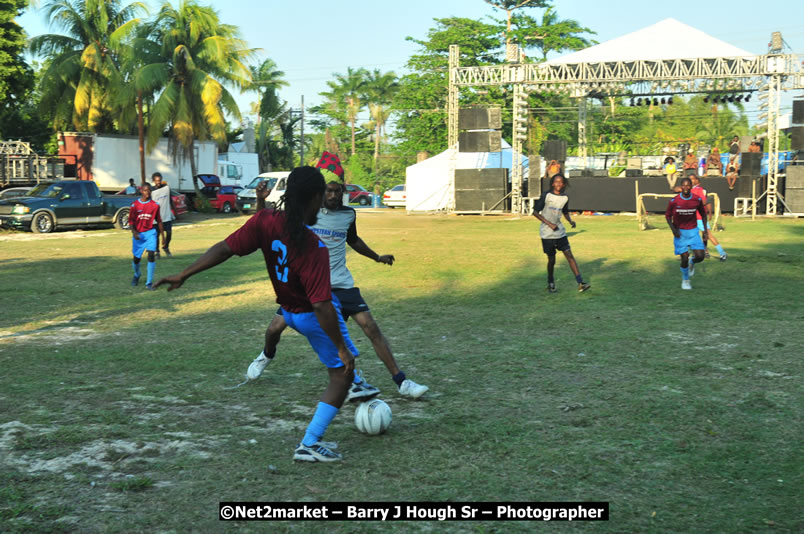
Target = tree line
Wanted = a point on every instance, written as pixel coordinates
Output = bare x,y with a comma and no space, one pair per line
115,68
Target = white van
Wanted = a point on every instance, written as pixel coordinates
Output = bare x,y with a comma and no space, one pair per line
277,183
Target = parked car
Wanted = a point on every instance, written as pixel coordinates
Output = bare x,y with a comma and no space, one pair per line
358,193
179,204
14,192
247,198
221,197
395,196
67,203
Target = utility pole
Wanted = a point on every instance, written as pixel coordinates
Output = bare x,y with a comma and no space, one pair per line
302,131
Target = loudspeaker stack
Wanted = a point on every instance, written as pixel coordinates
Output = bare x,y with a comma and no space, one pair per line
794,188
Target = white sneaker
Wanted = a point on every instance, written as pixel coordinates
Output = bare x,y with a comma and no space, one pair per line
361,390
257,367
691,268
315,453
411,389
685,284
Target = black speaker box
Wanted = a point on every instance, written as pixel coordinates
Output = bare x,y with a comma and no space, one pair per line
798,111
479,118
797,138
795,177
794,198
555,149
480,141
633,173
476,189
750,164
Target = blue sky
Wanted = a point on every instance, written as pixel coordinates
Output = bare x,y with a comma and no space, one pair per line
310,40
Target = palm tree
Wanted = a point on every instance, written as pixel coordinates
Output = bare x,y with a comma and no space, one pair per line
380,89
188,59
346,92
83,64
552,34
266,80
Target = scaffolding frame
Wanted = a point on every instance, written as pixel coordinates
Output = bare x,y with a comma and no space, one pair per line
779,72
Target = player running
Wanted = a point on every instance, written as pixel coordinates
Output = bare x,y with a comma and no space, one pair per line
336,227
298,265
700,192
680,215
142,215
548,209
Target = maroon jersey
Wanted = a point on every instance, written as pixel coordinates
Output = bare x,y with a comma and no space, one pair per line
682,211
299,280
144,215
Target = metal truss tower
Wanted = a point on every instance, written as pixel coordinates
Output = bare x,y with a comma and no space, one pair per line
781,72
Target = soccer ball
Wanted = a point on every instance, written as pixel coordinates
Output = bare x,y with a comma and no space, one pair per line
373,417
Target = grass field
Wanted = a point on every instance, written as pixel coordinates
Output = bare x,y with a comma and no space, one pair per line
681,409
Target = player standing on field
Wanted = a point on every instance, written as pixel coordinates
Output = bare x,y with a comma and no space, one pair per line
336,227
141,217
298,265
161,194
549,209
680,215
700,192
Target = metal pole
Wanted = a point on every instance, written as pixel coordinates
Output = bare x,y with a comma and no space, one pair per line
582,129
301,163
774,89
452,123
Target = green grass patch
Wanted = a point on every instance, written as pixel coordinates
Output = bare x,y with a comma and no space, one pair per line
682,409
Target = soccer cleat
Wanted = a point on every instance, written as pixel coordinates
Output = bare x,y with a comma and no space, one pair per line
411,389
167,252
135,281
257,367
157,253
691,268
149,286
316,453
706,254
583,286
551,287
361,390
723,256
685,284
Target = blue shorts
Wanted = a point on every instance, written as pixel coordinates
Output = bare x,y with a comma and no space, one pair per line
690,239
147,241
700,225
307,325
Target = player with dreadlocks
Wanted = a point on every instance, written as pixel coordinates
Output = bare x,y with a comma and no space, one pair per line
298,265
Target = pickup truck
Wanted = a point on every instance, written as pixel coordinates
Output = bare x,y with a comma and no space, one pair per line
221,197
61,204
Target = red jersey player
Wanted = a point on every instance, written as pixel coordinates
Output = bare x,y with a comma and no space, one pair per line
298,266
700,192
144,212
680,215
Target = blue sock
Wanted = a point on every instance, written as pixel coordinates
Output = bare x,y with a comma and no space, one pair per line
151,270
720,249
579,278
399,378
685,273
136,269
324,414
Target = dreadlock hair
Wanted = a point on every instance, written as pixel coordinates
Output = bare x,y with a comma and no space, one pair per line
304,183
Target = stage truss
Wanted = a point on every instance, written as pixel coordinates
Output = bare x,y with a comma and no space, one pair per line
768,74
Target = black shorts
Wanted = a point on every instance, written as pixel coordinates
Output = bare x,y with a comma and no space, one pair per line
551,245
350,299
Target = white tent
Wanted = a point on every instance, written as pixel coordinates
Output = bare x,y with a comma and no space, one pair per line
427,183
667,39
